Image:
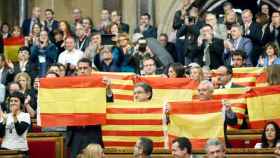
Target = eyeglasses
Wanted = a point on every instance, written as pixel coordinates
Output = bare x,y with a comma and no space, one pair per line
138,92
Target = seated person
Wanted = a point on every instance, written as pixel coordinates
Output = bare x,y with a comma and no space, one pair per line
215,148
181,148
14,125
271,56
238,59
149,67
270,136
143,148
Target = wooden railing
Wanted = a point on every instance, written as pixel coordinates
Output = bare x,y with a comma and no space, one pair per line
10,154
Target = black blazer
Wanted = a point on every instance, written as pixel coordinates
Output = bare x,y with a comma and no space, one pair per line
216,49
1,45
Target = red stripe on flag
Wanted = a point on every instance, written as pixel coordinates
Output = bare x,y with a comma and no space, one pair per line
259,124
244,75
246,84
196,143
14,41
262,91
195,107
122,87
129,144
228,96
133,122
134,110
133,133
77,119
113,75
123,97
72,82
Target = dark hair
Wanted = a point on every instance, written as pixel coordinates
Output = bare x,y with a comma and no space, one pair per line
184,143
208,25
239,53
18,95
274,46
178,68
89,19
85,60
24,48
227,4
273,73
147,88
49,10
147,145
2,56
146,14
57,31
164,34
4,23
52,73
277,136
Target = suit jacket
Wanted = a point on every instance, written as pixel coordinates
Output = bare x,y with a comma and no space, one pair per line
246,45
269,36
54,26
216,49
151,31
31,70
7,76
124,27
1,45
26,26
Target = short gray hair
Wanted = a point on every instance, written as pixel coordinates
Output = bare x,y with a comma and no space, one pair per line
214,142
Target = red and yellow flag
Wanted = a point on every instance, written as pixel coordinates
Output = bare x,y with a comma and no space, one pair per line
11,47
263,105
196,120
170,89
249,76
127,121
121,84
72,101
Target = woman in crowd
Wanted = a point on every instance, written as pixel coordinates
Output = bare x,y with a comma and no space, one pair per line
64,26
24,81
5,30
176,70
23,64
273,74
16,32
270,136
14,125
271,55
58,40
196,73
88,25
33,38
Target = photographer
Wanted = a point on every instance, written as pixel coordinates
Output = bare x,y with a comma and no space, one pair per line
188,33
43,53
210,49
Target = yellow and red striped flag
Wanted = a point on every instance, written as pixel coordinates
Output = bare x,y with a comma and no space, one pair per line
170,89
121,84
263,105
72,101
11,47
127,121
250,76
196,120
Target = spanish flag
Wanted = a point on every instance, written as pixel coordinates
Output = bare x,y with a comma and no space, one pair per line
249,76
263,105
170,89
11,47
127,121
196,120
72,101
121,84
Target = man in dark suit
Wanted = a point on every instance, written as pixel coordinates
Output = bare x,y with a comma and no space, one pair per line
115,18
169,46
28,23
272,31
253,31
50,23
237,42
224,77
1,45
210,50
145,27
6,72
79,137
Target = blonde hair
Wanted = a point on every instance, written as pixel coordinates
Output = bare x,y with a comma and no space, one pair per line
26,76
92,151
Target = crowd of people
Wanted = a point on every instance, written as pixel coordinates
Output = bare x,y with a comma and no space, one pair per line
203,42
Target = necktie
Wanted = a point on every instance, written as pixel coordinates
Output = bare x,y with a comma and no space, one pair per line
206,56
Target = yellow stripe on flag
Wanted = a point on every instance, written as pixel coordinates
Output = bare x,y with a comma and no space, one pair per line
202,126
134,116
61,100
132,128
129,138
244,79
172,94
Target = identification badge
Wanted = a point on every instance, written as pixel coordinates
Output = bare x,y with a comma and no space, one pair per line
42,59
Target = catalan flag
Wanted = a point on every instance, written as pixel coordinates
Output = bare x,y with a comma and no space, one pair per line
11,47
72,101
170,89
249,76
263,105
121,84
197,120
127,121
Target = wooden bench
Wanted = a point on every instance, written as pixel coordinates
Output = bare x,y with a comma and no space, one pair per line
158,153
245,138
46,145
10,154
